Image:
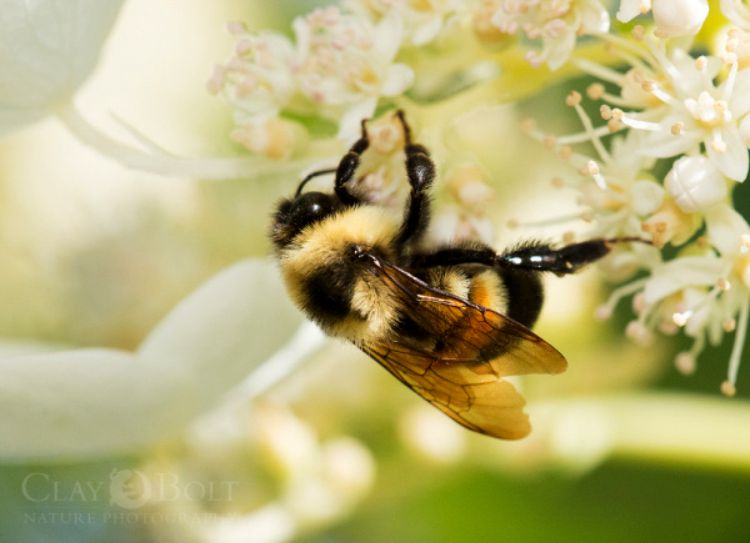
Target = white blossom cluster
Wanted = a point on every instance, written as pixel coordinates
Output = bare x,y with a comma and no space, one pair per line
665,104
665,107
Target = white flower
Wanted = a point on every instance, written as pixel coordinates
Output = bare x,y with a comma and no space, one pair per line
706,292
615,185
47,50
347,64
672,17
556,23
93,402
683,107
258,81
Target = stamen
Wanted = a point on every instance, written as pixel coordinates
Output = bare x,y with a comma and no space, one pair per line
616,100
605,310
728,389
625,44
739,343
589,129
638,332
685,363
656,90
600,72
640,125
595,91
681,318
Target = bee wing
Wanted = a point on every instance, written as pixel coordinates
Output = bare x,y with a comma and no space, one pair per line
472,348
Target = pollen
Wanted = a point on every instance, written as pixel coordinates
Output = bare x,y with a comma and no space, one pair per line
573,99
603,312
685,363
729,325
595,91
528,125
591,168
637,332
728,389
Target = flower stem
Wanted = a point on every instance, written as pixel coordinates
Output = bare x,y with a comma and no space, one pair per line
657,427
154,160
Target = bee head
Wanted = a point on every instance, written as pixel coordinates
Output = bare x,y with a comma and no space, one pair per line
295,214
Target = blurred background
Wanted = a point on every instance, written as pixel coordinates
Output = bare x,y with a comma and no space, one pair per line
95,254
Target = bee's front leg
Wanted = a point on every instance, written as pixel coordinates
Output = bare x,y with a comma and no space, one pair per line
348,165
420,171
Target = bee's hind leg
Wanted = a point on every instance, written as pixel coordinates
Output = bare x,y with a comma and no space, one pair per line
542,257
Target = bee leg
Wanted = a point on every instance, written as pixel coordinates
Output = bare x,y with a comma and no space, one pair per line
454,256
421,172
348,165
565,260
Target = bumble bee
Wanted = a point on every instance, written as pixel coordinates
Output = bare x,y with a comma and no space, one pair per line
449,322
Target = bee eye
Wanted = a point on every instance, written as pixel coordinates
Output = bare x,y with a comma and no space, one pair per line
313,206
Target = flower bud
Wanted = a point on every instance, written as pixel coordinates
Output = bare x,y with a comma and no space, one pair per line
679,17
272,137
695,184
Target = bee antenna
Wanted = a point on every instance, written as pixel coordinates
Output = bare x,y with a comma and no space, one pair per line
312,176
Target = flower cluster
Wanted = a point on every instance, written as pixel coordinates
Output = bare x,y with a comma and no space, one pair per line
338,67
663,108
668,108
554,23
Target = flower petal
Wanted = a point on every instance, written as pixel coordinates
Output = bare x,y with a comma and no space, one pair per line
47,49
663,144
427,30
226,328
682,272
397,79
71,403
629,9
594,17
388,37
740,100
349,125
93,402
733,161
725,228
